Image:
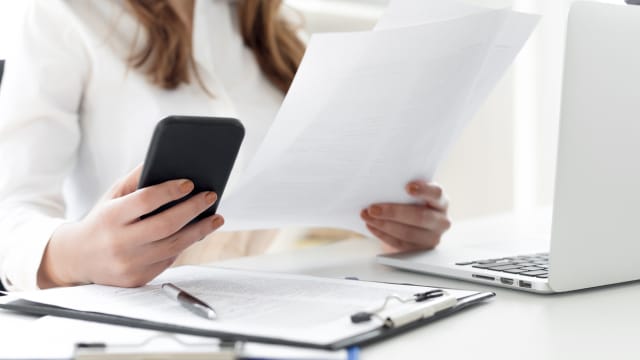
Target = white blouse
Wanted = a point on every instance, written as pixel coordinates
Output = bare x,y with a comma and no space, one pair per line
75,117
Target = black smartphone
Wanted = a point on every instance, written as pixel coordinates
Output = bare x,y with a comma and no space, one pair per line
201,149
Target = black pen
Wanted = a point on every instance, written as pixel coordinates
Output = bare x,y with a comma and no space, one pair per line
189,301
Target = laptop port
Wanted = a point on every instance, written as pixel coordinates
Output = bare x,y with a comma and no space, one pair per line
506,281
483,277
524,284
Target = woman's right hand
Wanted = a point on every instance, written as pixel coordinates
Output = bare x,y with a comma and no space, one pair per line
112,246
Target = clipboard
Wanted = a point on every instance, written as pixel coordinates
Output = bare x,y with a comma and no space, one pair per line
435,308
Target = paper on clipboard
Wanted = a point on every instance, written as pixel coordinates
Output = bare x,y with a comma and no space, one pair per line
292,308
370,111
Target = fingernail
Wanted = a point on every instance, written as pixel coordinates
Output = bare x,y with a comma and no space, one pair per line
375,210
218,221
211,197
186,186
414,189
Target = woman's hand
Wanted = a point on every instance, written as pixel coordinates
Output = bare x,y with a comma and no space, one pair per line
410,226
112,246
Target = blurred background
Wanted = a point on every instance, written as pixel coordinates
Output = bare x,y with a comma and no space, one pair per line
505,159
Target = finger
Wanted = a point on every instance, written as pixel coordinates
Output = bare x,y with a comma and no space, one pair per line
432,194
395,243
414,215
420,237
174,245
170,221
146,200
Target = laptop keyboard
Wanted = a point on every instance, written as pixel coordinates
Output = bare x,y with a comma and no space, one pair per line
535,265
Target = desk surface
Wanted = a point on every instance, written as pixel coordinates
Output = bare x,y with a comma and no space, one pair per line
590,324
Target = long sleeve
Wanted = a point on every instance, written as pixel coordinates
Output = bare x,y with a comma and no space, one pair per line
40,99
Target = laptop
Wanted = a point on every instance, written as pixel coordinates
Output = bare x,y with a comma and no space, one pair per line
594,236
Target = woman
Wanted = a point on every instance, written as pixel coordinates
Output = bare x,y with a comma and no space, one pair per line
79,102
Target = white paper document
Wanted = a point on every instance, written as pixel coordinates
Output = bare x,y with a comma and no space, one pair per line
369,111
288,307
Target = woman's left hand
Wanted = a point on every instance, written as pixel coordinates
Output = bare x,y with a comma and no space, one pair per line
410,226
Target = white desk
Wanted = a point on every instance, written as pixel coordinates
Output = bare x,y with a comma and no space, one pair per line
598,324
601,323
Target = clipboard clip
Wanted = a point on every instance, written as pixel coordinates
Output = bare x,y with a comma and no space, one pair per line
412,311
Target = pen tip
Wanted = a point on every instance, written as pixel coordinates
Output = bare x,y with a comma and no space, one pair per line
212,314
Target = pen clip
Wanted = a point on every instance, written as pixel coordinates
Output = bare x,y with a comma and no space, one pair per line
428,295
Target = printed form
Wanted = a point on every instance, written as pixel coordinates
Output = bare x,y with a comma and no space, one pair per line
292,307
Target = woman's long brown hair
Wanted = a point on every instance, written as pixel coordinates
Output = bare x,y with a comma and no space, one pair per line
167,56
